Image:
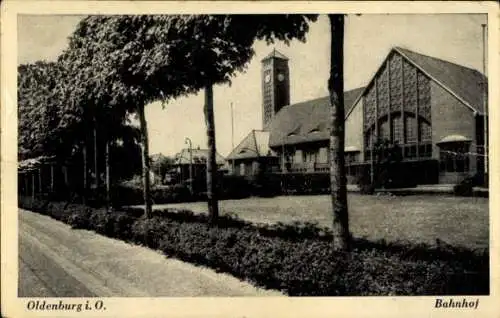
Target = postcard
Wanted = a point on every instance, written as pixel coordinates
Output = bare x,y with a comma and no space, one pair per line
249,159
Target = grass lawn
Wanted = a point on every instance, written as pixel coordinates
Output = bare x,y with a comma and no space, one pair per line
417,218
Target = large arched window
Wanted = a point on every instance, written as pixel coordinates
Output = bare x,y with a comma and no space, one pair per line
412,135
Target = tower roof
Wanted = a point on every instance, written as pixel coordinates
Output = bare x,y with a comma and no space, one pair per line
275,54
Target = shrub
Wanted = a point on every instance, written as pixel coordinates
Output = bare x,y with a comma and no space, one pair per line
305,183
229,187
294,258
79,220
466,186
234,187
130,194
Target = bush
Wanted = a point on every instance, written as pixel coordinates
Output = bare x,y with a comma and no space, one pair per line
131,194
229,187
294,258
466,186
234,187
305,183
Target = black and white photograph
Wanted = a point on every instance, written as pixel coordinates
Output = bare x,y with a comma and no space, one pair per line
265,155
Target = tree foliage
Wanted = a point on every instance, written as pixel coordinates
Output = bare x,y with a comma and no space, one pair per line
126,62
133,60
45,123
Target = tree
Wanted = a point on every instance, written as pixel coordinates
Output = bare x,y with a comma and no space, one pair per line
161,164
136,60
41,115
223,47
338,180
121,62
90,89
45,123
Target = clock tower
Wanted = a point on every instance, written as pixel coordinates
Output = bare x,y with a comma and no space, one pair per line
275,86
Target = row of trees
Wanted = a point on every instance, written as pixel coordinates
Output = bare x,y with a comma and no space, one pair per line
116,65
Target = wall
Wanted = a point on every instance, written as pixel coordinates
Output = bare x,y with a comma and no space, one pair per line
354,128
323,155
451,117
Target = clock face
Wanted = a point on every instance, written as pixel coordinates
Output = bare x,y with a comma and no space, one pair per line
281,77
267,79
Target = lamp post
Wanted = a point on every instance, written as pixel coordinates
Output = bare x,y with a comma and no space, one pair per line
188,142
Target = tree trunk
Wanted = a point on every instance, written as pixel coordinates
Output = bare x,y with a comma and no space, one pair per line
96,164
213,204
39,170
33,185
108,177
26,184
51,178
85,173
65,176
341,235
145,162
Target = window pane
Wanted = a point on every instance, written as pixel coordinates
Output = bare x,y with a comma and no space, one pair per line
411,131
460,164
397,130
425,150
410,151
454,159
384,130
425,131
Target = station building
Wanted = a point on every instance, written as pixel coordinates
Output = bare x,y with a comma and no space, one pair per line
431,108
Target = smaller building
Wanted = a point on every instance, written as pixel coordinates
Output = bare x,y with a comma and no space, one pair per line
192,163
253,156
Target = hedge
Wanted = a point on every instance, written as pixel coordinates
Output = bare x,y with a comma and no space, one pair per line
294,258
229,187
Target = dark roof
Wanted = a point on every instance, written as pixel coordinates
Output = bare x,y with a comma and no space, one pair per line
199,156
307,121
255,144
275,54
463,82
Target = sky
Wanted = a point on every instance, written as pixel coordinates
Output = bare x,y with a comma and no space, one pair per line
367,41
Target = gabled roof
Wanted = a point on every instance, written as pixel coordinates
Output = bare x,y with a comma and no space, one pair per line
306,121
198,155
254,145
463,82
275,54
